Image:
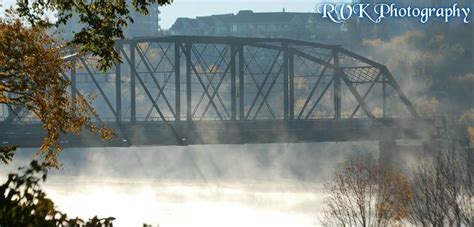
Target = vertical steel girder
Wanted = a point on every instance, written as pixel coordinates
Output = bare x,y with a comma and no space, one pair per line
337,86
187,53
235,60
177,83
241,83
286,77
384,97
118,86
132,65
233,85
291,63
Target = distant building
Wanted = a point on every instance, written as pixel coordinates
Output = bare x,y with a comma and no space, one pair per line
144,25
246,23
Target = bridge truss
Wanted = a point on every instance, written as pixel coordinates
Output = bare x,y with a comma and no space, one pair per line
183,90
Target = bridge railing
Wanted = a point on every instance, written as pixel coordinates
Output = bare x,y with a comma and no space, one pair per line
437,116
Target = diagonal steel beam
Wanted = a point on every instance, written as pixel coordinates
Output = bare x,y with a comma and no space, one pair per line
252,58
268,92
157,84
146,60
219,61
98,86
134,70
259,91
162,116
263,84
312,58
319,98
13,113
146,51
193,67
366,93
215,91
166,55
399,91
314,89
359,57
159,95
356,94
200,60
78,93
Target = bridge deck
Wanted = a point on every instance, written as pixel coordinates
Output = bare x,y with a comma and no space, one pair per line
234,132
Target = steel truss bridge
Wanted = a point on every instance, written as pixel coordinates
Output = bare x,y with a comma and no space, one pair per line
183,90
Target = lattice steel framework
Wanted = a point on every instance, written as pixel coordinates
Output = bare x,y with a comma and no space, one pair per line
228,78
190,79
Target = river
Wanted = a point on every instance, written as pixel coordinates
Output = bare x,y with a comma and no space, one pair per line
225,185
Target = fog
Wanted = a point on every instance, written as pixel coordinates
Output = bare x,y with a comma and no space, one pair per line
244,185
248,185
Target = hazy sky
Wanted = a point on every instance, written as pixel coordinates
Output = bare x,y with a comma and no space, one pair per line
193,8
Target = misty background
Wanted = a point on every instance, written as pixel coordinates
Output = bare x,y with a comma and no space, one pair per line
259,184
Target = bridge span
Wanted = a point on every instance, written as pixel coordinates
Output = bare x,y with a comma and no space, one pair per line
183,90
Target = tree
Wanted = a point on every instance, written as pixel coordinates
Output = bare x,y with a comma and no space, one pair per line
31,77
363,194
466,123
23,203
103,19
6,154
31,62
443,190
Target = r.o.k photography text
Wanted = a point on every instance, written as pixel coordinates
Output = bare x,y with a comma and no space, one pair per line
338,13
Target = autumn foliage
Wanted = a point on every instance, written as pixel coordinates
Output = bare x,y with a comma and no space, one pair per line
32,78
103,22
364,194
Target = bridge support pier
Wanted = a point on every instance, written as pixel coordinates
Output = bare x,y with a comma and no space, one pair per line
389,154
403,154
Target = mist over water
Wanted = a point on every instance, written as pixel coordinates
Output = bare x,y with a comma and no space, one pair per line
218,185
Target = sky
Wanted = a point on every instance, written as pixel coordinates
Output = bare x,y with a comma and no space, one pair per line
193,8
